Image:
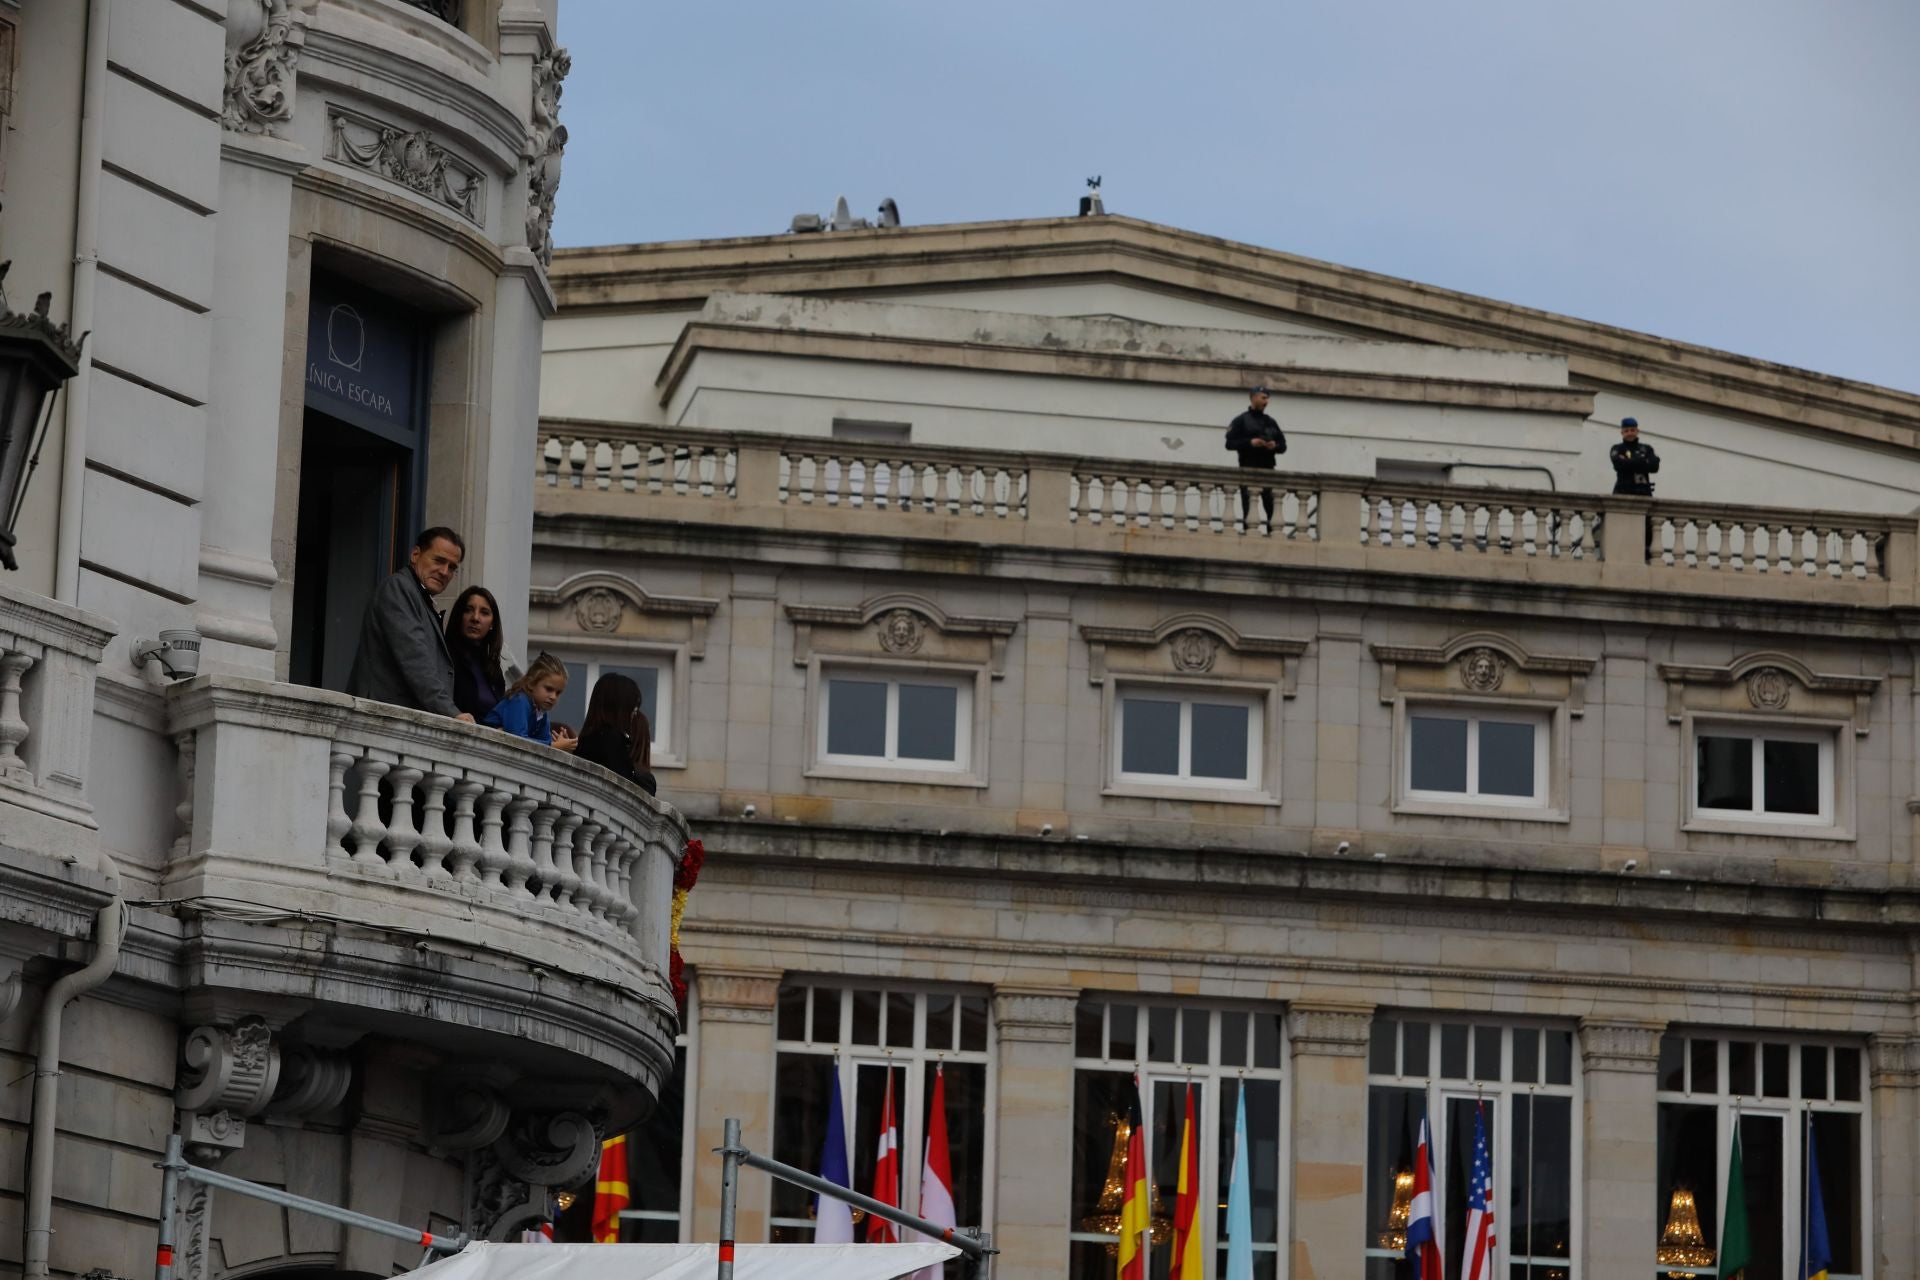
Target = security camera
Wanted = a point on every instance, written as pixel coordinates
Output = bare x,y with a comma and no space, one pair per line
1342,847
748,811
1629,865
1046,828
177,651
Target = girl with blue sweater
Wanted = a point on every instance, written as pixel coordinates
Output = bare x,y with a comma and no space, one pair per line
523,712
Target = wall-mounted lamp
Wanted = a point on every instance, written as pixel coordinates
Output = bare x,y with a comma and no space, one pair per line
36,356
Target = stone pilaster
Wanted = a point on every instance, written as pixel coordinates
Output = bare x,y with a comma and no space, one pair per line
1619,1058
736,1076
1895,1147
1033,1117
1329,1047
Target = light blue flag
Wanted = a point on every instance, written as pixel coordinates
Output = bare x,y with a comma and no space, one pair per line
1240,1200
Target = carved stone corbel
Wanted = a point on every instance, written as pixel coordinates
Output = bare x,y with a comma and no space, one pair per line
226,1075
510,1179
548,143
464,1110
264,38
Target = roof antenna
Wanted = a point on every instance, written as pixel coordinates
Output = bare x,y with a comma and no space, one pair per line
1090,205
843,219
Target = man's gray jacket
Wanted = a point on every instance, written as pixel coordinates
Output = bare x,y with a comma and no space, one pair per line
403,656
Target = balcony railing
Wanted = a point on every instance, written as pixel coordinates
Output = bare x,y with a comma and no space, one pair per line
1156,509
49,655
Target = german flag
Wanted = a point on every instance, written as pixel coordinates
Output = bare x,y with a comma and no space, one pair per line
610,1193
1135,1207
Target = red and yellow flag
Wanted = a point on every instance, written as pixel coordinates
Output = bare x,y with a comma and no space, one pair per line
1135,1204
610,1194
1188,1261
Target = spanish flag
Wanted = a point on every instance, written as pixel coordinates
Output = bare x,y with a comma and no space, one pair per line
1189,1262
610,1194
1134,1205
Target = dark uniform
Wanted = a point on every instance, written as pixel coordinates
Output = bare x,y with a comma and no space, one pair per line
1253,425
1634,466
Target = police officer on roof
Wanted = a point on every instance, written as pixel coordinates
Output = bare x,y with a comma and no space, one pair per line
1633,462
1258,440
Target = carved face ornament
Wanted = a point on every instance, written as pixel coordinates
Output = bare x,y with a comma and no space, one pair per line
598,610
1769,689
1483,670
1193,650
901,631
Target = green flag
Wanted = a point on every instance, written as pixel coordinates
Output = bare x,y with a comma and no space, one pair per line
1736,1251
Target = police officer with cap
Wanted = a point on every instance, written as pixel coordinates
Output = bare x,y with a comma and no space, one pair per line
1258,440
1634,463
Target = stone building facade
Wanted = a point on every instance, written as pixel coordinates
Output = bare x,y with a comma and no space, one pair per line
376,958
1025,764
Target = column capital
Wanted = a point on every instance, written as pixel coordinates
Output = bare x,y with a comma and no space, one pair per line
1329,1030
1041,1015
1620,1044
738,995
1893,1060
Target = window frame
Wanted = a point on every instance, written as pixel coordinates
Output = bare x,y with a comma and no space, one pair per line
1835,740
970,721
1262,786
667,719
1548,803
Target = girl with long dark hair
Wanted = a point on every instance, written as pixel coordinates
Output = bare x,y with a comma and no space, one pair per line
475,640
616,734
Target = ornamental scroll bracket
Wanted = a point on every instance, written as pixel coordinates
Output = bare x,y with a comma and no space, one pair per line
1193,645
1487,664
1771,683
904,626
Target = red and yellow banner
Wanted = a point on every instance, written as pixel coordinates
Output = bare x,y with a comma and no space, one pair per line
610,1193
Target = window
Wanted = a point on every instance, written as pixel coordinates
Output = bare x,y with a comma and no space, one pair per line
1165,735
1766,774
655,1164
866,1035
1519,1081
1787,1097
654,675
1220,1053
873,718
1487,757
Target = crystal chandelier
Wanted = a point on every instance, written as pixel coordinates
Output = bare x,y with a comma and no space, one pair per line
1105,1218
1681,1244
1395,1236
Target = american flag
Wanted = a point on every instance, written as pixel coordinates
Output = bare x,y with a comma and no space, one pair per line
1476,1262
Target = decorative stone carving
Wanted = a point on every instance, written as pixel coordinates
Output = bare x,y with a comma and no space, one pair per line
229,1069
263,42
738,995
550,1148
499,1205
211,1135
901,631
1482,669
1620,1046
1893,1061
1769,689
464,1113
1035,1017
598,610
1329,1031
549,139
1193,650
190,1254
312,1082
410,158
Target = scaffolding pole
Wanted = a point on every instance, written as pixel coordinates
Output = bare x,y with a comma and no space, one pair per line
979,1249
175,1170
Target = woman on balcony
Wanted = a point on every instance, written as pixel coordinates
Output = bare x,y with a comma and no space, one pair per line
477,644
616,734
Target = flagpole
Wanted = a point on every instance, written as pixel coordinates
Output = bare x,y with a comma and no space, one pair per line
1806,1199
1146,1161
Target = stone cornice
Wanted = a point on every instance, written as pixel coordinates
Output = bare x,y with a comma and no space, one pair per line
738,995
1627,1045
1263,281
1894,1061
1329,1030
1034,1015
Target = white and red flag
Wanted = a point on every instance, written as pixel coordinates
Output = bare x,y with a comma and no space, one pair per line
886,1172
1423,1246
1476,1261
936,1175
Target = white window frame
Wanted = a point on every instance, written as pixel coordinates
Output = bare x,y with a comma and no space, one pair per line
1262,785
672,661
968,768
1547,803
1835,742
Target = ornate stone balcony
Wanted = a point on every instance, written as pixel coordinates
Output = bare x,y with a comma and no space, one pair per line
1651,547
361,862
49,655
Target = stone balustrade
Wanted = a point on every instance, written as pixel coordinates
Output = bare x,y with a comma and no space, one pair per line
303,801
49,656
1349,523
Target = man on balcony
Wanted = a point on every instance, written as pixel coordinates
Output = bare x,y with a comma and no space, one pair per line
403,657
1634,461
1258,440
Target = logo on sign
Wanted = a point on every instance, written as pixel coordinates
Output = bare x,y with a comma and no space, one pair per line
346,337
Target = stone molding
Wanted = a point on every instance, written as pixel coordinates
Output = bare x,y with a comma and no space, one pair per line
1191,642
1628,1046
1329,1030
1893,1061
1771,679
548,143
231,1073
902,619
407,157
1034,1015
264,38
738,995
1479,663
598,601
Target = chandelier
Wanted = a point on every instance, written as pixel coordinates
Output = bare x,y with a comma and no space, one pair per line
1681,1244
1395,1235
1105,1218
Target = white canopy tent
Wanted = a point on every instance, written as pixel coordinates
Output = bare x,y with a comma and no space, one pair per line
686,1261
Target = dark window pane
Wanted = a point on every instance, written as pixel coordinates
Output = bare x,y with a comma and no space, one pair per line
649,1230
1089,1030
866,1017
1219,741
1792,776
1233,1039
1266,1039
1836,1141
826,1015
1458,1170
1163,1143
1773,1070
929,714
1706,1065
1453,1051
1263,1159
1439,754
1724,773
1526,1055
1506,758
1486,1053
1383,1041
1846,1075
1160,1033
973,1024
1559,1057
1123,1028
653,1150
1416,1056
899,1020
1393,1127
1149,737
1687,1151
1813,1072
1100,1100
791,1020
571,710
966,1086
1763,1153
1673,1067
1195,1033
864,1110
1542,1192
939,1021
803,1084
856,718
648,678
1740,1068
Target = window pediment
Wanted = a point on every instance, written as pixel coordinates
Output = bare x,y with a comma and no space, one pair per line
1192,644
611,606
1482,664
899,625
1770,683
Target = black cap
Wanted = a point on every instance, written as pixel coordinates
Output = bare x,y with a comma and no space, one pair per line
1261,390
1629,422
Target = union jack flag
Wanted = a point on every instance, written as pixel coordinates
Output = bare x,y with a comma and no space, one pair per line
1476,1262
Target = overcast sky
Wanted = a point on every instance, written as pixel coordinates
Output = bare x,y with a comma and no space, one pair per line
1739,173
